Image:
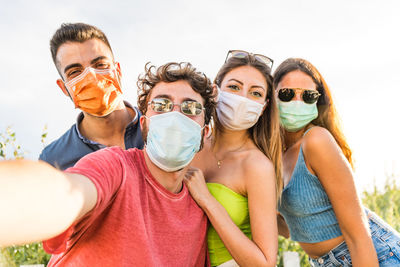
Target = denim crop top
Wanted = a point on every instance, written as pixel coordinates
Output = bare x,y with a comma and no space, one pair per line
306,207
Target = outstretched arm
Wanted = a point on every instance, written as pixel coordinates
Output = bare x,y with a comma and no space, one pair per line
38,202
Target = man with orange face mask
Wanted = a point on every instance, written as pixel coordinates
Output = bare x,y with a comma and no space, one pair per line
119,207
91,78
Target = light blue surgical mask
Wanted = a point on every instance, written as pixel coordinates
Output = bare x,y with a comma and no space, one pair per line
172,140
294,115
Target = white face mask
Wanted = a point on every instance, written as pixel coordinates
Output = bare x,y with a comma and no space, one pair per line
237,112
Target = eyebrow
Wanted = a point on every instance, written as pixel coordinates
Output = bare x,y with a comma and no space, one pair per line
190,99
98,59
74,65
253,86
162,96
235,81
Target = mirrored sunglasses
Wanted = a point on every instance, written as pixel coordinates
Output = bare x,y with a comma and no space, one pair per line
243,54
188,107
308,96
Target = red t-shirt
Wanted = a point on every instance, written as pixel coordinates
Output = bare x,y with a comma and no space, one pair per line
136,221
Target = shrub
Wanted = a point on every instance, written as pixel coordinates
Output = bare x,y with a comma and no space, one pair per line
26,254
385,204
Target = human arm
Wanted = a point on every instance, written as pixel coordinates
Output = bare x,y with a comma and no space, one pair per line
325,158
283,229
38,201
260,186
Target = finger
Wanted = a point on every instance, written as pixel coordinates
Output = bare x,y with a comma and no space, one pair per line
188,176
191,168
185,180
189,172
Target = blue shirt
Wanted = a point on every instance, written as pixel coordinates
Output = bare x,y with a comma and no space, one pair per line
72,145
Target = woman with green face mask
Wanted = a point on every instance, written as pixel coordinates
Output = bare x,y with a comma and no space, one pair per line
319,204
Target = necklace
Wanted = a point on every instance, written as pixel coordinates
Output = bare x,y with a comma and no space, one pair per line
219,161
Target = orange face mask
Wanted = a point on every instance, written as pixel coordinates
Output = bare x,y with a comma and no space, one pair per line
95,91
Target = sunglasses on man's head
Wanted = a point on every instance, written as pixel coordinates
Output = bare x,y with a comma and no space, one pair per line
243,54
188,107
308,96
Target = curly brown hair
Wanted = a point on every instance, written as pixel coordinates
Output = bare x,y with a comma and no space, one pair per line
172,72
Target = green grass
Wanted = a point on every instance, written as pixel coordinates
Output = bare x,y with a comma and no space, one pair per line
26,254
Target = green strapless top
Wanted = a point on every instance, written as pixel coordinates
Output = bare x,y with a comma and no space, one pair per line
237,207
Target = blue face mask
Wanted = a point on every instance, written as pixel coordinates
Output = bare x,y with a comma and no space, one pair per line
172,140
295,115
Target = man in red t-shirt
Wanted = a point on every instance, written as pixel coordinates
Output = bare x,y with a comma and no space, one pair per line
120,207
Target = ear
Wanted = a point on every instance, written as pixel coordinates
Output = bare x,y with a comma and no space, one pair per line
215,92
265,105
61,84
141,121
119,74
207,131
118,68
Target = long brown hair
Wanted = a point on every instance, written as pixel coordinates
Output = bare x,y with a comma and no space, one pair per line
266,132
327,114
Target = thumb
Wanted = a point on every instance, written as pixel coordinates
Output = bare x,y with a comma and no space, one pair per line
186,178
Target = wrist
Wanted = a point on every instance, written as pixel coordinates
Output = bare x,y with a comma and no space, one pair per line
207,203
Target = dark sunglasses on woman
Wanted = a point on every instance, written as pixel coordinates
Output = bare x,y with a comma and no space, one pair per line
308,96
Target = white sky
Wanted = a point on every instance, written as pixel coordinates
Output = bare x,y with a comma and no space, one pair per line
354,44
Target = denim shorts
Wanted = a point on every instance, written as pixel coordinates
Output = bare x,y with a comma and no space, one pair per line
386,241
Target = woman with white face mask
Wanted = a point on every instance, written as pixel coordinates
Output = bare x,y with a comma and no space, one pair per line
241,165
319,201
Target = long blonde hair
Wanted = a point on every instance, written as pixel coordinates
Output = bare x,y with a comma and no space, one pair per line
327,114
266,133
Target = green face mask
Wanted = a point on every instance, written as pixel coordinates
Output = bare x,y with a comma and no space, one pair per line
294,115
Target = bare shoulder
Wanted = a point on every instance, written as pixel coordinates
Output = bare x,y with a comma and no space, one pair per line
324,156
318,139
259,179
257,167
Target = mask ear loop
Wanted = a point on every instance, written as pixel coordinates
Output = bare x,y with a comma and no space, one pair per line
66,89
211,126
147,118
118,74
69,94
218,92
